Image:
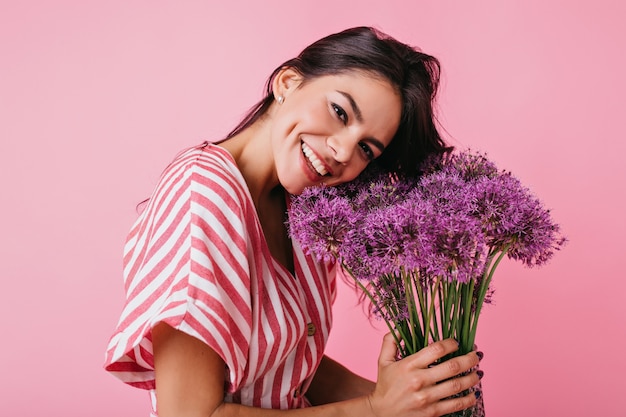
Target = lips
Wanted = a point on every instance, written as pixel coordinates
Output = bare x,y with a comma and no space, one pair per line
314,160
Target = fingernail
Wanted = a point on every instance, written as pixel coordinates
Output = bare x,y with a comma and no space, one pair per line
480,355
480,374
478,394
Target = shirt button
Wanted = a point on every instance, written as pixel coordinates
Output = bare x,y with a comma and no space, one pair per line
296,393
310,329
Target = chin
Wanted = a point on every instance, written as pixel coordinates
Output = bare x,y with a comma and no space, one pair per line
295,184
293,190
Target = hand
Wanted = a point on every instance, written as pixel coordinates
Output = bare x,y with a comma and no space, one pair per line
408,387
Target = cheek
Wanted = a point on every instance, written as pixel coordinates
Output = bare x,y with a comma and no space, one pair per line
356,171
303,118
315,116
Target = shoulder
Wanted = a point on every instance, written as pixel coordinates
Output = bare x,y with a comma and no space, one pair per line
200,185
202,171
204,160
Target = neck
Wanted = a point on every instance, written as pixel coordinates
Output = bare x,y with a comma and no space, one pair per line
252,151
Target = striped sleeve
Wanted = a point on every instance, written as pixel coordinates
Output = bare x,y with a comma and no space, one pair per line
185,264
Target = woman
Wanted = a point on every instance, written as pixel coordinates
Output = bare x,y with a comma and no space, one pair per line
225,315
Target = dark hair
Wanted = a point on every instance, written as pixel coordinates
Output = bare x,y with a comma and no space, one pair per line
413,73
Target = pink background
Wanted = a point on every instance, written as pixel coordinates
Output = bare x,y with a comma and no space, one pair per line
97,97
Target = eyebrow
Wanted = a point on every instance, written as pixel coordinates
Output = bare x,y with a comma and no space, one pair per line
355,107
359,116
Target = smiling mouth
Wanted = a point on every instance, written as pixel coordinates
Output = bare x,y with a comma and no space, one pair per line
314,161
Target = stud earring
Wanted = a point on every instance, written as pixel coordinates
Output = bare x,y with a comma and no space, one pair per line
280,99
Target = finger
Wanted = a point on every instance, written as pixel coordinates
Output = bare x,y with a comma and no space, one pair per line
452,405
433,352
453,386
388,351
453,367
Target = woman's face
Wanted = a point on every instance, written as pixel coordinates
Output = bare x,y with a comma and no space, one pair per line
328,129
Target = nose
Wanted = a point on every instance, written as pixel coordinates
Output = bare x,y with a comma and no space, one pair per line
342,147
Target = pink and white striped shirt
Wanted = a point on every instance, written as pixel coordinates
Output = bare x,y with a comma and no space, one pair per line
196,258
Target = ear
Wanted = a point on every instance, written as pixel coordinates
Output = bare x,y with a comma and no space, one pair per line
287,80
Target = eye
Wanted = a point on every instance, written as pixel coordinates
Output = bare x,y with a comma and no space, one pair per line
367,150
340,112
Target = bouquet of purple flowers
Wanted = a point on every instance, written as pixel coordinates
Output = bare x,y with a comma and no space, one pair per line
424,251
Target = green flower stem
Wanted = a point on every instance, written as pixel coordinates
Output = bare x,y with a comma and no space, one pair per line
436,324
468,296
369,295
458,311
453,309
422,333
423,306
432,317
408,291
484,287
456,299
414,318
444,314
451,302
414,309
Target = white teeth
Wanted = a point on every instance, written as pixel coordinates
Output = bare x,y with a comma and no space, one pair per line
317,164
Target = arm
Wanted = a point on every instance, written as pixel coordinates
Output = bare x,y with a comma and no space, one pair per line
333,382
190,382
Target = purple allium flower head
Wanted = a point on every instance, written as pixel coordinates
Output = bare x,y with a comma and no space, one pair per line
354,256
512,217
320,219
459,247
380,193
537,236
444,225
390,294
371,174
391,238
471,165
383,241
414,222
447,191
499,206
